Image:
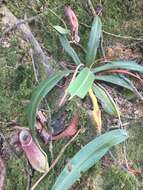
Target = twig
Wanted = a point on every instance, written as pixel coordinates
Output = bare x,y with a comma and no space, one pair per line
75,73
125,154
73,77
117,162
85,25
121,166
56,160
117,35
137,93
125,37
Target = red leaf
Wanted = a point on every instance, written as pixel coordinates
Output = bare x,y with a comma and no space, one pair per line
122,71
70,130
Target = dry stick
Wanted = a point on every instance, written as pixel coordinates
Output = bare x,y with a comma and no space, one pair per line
125,37
125,154
75,73
56,160
117,162
27,34
117,35
137,93
73,78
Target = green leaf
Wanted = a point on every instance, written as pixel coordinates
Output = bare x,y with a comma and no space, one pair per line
87,157
44,87
61,30
115,79
66,45
81,85
107,101
94,40
129,65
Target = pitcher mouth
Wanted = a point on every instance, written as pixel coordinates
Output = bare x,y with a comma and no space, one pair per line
25,138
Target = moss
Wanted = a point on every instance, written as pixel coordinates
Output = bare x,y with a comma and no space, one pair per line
135,143
16,174
116,179
16,82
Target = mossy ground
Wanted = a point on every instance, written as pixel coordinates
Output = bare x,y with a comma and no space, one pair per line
17,83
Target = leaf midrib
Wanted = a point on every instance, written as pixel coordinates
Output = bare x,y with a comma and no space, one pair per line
76,92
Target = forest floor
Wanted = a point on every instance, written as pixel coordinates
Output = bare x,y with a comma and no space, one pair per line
123,30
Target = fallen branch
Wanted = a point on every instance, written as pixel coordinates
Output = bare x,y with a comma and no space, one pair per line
10,20
30,19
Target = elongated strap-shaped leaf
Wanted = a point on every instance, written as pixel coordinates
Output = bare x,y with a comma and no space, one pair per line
41,91
61,30
66,45
94,40
87,157
107,101
129,65
81,85
115,79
